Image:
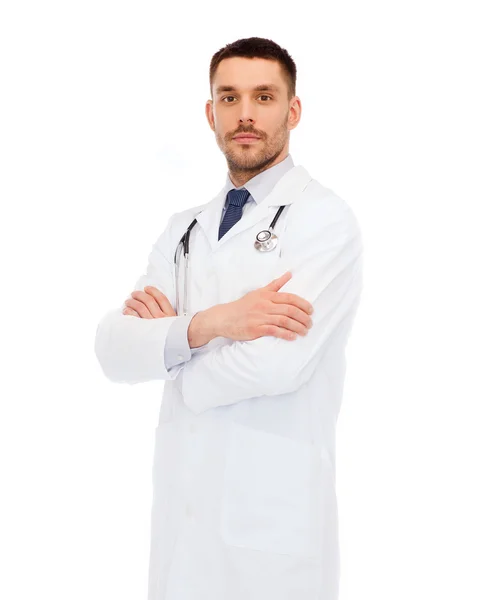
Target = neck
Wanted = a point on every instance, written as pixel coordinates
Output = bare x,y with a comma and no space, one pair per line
240,176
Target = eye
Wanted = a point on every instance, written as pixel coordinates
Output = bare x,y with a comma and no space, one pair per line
261,96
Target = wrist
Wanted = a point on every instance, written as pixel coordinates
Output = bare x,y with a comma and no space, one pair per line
201,329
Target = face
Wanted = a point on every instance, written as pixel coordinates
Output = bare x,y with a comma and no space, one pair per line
238,107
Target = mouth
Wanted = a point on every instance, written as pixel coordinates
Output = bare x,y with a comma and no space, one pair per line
246,139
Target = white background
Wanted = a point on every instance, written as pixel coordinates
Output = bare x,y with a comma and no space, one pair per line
103,136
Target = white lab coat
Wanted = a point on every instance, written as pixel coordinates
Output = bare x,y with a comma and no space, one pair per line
244,500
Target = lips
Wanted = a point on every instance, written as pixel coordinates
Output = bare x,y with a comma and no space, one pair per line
246,139
246,136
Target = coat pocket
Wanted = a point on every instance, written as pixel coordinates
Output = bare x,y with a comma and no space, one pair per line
271,493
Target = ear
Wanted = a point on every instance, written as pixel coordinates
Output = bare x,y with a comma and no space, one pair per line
209,112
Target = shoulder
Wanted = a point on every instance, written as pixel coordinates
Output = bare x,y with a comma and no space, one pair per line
175,227
180,221
320,210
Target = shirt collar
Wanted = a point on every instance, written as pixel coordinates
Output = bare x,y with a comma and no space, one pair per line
262,184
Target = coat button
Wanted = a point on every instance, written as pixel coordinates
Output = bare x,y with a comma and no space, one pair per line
188,510
192,428
180,357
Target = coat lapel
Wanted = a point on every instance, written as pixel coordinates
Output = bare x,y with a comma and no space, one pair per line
286,191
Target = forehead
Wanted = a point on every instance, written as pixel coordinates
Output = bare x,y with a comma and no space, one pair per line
245,74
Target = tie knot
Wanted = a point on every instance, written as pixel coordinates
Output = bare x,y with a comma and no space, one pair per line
238,197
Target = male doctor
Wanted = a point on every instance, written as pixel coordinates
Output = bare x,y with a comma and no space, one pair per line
244,500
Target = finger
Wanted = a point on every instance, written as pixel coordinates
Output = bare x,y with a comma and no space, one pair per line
161,299
139,307
279,332
290,324
274,285
130,312
289,311
150,303
293,299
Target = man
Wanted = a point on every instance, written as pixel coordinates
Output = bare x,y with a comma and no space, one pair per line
244,503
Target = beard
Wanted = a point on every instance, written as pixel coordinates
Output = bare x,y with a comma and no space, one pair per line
253,158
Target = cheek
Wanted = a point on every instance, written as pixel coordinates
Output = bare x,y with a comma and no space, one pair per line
222,133
220,137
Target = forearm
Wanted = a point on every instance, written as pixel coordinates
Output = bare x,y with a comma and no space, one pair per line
203,327
131,350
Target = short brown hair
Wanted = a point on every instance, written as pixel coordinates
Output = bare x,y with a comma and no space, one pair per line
256,47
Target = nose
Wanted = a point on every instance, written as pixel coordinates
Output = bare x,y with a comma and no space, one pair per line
245,108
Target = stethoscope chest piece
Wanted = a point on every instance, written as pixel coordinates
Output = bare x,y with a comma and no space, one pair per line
266,240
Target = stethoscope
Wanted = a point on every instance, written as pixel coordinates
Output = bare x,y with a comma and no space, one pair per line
265,241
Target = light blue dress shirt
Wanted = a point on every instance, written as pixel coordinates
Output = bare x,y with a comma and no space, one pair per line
177,349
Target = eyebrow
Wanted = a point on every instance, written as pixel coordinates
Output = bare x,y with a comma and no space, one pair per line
263,87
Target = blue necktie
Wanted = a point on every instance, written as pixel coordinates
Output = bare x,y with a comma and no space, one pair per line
236,200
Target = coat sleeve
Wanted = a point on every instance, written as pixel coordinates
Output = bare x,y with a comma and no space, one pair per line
131,349
325,259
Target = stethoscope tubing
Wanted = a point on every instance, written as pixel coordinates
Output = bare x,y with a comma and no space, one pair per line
184,241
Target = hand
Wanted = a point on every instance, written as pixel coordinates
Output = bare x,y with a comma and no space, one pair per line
149,304
263,311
